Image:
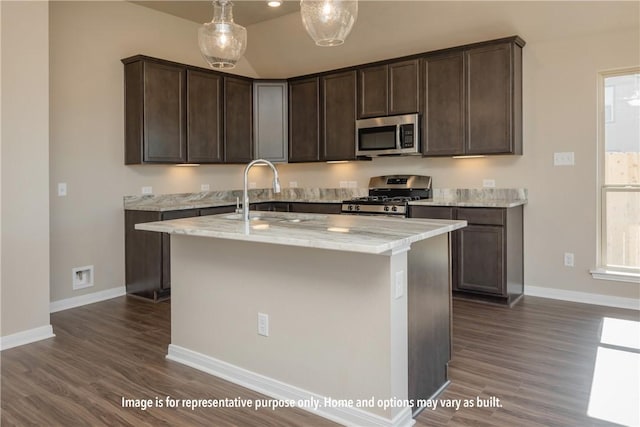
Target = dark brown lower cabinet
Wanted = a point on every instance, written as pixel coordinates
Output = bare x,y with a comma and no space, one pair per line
148,254
320,208
487,255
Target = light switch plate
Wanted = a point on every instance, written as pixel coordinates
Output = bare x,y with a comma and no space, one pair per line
489,183
147,190
62,189
204,187
564,159
293,184
263,324
398,291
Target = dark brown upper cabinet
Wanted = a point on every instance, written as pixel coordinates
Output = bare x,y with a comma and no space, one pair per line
304,120
493,98
155,112
204,118
339,116
472,100
173,112
238,120
389,89
443,109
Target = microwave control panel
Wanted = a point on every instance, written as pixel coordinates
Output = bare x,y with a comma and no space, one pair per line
407,137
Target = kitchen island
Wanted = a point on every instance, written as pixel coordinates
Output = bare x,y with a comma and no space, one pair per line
357,308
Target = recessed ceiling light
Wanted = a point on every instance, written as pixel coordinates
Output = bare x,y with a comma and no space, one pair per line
274,3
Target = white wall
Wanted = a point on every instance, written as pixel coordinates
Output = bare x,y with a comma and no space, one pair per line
25,167
567,44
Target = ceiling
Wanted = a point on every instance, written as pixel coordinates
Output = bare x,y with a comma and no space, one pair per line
245,12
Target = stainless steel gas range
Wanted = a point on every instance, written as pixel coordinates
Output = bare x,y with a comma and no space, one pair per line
390,195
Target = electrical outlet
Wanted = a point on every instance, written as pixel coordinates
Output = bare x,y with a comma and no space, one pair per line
62,189
352,184
147,190
252,185
293,184
568,259
344,184
263,324
399,285
564,159
204,187
489,183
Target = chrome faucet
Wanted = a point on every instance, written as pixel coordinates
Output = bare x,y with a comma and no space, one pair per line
245,195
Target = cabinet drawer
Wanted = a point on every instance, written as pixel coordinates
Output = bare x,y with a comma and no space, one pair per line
321,208
184,213
217,210
434,212
482,216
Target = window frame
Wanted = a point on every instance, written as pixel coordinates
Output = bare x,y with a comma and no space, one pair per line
604,271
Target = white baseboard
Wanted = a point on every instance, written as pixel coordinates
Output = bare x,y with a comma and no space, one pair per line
584,297
279,390
65,304
26,337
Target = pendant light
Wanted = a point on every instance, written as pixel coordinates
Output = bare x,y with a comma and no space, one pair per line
328,22
222,42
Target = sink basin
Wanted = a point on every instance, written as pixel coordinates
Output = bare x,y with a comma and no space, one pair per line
269,218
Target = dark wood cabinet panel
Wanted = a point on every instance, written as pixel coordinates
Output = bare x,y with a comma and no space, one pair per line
217,210
321,208
271,207
404,82
155,113
304,120
143,255
487,255
164,113
204,117
148,254
238,120
339,113
443,110
490,99
373,91
481,259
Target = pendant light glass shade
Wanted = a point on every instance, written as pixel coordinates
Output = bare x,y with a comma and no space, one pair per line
222,42
328,22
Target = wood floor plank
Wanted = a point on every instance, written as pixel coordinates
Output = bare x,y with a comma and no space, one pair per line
537,358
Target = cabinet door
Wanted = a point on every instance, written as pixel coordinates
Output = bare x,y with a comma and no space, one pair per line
489,99
404,81
443,107
238,120
165,136
339,112
143,254
166,244
270,120
204,117
481,259
304,120
373,91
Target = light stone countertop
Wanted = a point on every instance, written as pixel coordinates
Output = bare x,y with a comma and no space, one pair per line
182,201
352,233
476,197
480,197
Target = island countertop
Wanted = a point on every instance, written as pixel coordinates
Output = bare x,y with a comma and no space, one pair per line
364,234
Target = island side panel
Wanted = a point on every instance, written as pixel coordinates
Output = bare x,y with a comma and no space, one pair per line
429,291
335,327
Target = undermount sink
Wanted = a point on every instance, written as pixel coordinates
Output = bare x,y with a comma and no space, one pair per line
268,218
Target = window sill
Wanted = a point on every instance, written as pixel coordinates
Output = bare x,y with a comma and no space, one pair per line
618,276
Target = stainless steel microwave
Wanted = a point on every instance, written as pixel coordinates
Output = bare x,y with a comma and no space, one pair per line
388,136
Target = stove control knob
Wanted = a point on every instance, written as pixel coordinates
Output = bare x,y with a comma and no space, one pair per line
350,207
394,209
386,208
358,207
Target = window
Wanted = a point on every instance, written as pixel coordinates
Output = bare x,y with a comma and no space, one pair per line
620,174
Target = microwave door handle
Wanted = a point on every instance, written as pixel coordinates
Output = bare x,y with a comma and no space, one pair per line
398,136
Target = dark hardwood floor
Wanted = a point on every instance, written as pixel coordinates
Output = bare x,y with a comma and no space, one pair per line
537,358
